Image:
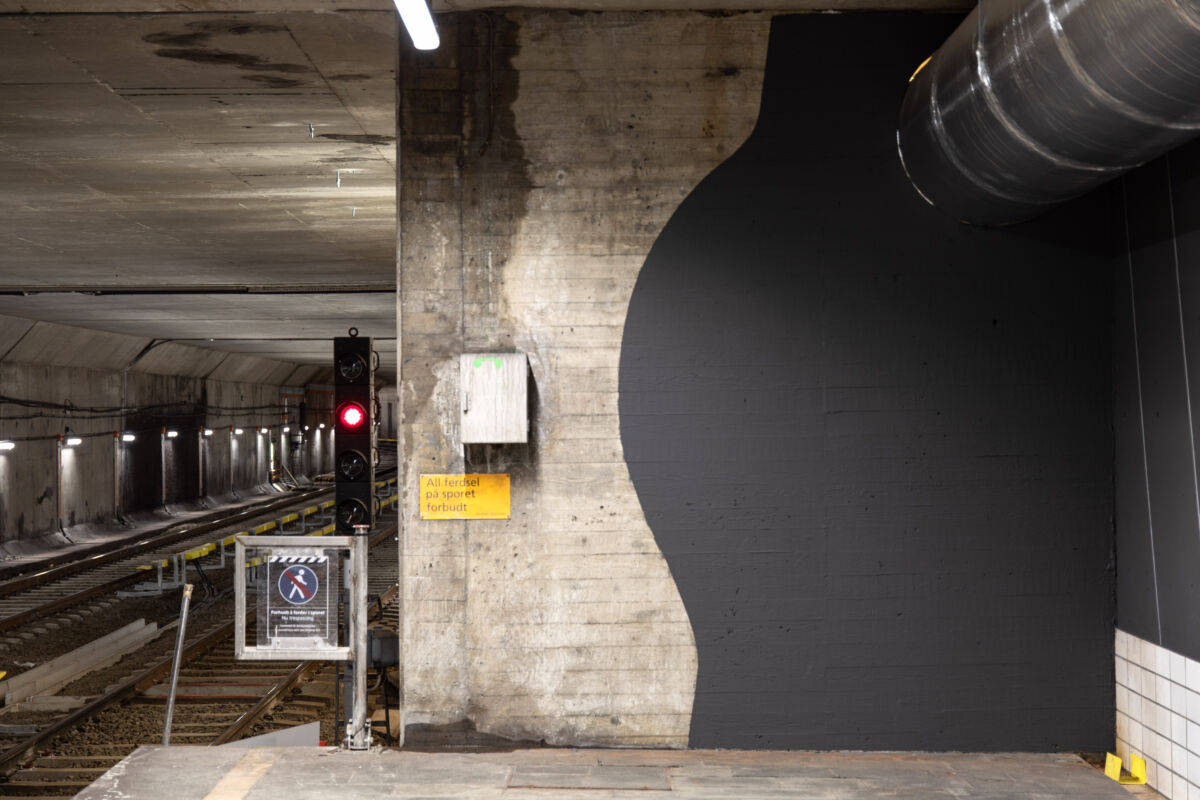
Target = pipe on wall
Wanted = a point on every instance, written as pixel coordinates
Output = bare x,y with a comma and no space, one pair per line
1032,102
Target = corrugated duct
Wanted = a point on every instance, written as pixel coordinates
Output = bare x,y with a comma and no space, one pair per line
1033,102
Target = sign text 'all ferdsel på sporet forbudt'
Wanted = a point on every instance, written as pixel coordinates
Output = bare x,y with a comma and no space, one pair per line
483,496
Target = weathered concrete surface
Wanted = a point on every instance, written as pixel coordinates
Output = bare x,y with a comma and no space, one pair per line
25,341
221,179
541,153
29,498
302,773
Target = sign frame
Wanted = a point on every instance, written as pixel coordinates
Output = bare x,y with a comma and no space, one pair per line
280,545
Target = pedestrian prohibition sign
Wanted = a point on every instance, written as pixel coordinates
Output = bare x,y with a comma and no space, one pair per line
297,584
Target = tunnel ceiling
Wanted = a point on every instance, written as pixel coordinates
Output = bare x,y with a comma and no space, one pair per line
217,173
222,180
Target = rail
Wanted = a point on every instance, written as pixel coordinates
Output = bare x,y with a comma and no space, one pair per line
12,758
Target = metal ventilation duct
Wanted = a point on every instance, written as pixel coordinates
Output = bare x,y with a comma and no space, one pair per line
1032,102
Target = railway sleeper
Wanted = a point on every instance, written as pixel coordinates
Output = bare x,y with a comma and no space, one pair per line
99,761
39,773
58,787
207,729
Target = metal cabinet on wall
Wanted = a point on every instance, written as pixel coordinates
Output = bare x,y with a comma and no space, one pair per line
494,392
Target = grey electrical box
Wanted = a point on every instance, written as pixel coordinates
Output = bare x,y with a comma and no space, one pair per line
495,398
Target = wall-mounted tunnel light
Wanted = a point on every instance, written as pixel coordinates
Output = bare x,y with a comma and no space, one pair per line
238,431
419,23
128,437
7,445
321,426
73,441
172,434
286,429
208,431
264,430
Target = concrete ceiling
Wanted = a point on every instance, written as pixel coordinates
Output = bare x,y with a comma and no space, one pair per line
222,180
275,6
215,172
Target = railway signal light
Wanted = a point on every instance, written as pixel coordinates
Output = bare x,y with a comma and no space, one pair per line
354,426
352,416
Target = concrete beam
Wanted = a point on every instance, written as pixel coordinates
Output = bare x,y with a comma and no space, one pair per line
329,6
187,6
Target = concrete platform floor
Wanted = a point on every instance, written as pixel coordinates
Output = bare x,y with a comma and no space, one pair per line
302,773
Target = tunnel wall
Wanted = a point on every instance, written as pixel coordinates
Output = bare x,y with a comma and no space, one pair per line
1157,330
87,378
873,445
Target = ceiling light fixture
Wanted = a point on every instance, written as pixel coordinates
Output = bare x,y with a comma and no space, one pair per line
419,23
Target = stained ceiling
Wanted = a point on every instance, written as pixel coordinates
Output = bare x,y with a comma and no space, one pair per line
218,173
226,181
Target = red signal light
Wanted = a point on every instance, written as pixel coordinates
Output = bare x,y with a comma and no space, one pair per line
352,416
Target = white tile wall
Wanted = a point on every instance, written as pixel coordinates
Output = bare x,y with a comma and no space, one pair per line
1158,714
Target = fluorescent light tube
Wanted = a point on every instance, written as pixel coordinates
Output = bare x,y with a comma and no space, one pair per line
419,23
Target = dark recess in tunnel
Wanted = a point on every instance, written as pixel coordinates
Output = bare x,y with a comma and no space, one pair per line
875,444
143,460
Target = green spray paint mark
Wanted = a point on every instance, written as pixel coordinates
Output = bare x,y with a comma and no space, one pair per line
479,362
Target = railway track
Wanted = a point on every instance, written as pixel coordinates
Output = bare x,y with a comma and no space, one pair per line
219,699
41,612
32,597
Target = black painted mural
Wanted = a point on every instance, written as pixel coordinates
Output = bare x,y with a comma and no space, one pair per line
874,444
1157,369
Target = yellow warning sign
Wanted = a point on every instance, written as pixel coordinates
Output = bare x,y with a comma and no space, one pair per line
484,496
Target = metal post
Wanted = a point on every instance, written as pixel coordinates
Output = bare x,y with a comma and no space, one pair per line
200,465
59,487
183,611
358,734
162,451
116,475
346,685
232,470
